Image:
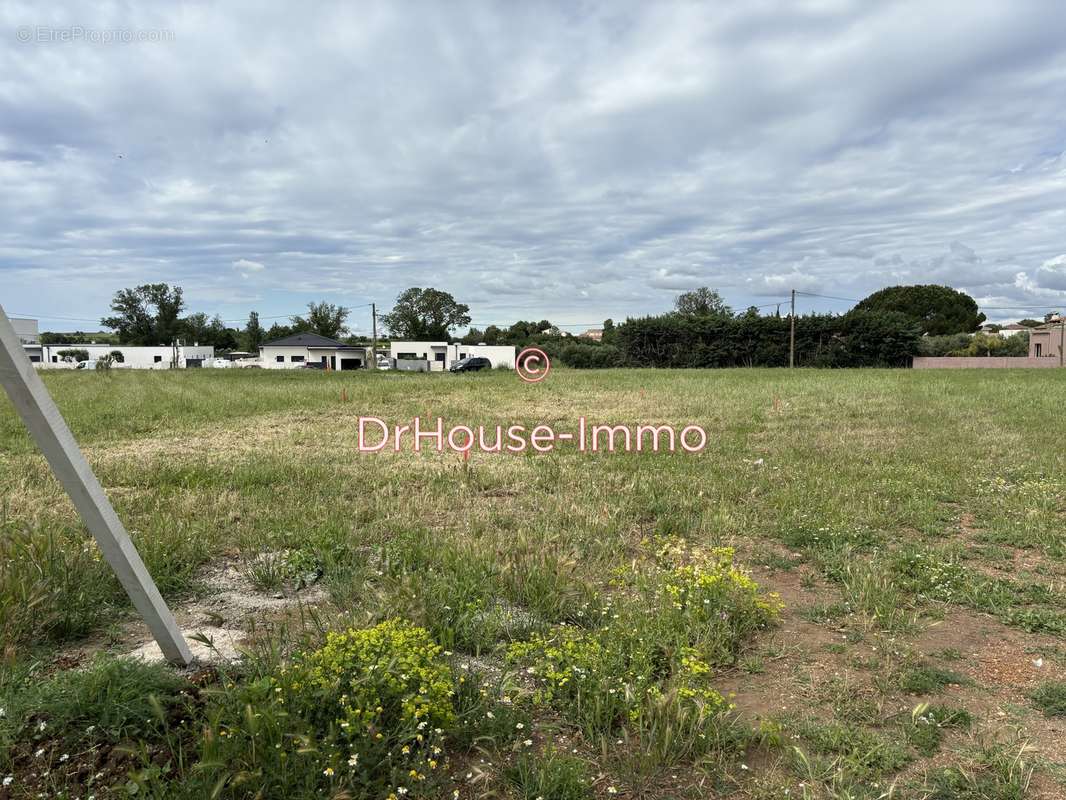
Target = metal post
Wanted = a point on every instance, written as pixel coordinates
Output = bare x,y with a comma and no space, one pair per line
51,434
792,333
374,344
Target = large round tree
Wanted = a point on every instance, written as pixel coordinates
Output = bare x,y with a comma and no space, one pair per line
938,310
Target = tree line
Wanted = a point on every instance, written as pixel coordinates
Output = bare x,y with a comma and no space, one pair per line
885,329
151,314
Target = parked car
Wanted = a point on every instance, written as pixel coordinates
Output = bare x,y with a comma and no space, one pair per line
312,365
470,364
384,362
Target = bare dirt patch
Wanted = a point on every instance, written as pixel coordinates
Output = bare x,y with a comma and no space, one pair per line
223,612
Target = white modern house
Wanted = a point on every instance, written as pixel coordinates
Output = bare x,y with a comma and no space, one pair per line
47,356
27,332
293,352
179,356
439,356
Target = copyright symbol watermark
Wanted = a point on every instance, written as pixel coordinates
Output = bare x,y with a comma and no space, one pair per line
532,365
43,34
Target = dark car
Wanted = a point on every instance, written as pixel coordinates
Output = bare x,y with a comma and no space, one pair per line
470,364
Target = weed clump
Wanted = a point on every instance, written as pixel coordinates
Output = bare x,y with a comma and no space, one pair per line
929,679
366,712
1050,698
655,652
928,723
553,775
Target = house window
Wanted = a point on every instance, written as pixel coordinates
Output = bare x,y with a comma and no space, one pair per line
279,359
438,356
462,355
411,356
297,359
35,359
157,359
1039,349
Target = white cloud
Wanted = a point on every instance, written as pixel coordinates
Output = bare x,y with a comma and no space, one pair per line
571,162
246,268
1052,274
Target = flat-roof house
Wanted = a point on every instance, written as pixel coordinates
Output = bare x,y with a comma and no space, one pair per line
164,356
439,356
27,333
1045,341
292,352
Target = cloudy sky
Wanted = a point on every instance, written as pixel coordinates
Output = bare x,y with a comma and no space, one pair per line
565,160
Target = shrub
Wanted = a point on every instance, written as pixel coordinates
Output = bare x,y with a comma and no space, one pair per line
385,688
591,356
366,712
856,339
990,344
711,605
78,354
943,345
679,622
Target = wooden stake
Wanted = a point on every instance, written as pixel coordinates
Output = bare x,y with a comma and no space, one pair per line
51,434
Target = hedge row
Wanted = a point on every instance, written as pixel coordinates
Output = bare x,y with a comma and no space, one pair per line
856,339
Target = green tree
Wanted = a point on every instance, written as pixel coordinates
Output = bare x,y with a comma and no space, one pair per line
220,337
253,333
323,318
425,314
608,331
146,314
195,328
473,336
990,344
1030,323
702,302
116,356
937,310
278,332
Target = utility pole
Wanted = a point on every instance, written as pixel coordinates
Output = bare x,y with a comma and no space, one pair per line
1062,339
374,340
792,333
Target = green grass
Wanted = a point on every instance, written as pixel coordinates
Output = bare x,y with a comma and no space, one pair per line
549,776
887,500
1050,698
111,700
928,679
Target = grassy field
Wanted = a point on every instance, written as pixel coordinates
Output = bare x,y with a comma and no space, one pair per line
855,591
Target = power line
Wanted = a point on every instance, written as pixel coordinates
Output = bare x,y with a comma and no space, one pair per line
829,297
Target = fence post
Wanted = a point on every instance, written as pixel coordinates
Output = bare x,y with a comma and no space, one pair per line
52,435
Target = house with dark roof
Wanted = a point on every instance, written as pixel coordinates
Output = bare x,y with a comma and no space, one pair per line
301,349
